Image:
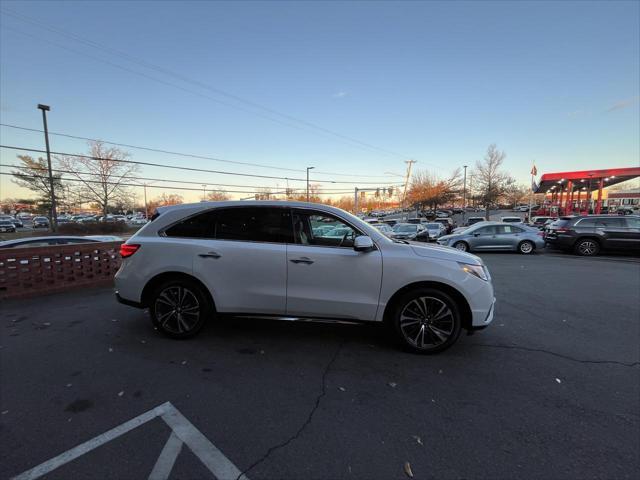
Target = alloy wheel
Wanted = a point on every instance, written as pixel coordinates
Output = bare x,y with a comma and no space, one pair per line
426,322
177,309
526,247
461,246
587,247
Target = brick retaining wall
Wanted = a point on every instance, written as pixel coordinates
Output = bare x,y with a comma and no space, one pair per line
28,272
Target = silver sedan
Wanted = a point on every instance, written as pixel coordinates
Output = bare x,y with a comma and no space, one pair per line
495,236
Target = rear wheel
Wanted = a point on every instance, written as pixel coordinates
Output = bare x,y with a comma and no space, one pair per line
462,246
587,247
526,247
179,308
426,320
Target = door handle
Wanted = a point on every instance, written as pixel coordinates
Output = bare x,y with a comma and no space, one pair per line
306,260
210,255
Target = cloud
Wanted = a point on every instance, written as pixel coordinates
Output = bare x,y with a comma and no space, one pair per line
340,94
623,104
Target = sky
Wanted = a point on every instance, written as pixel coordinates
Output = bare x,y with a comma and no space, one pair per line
351,88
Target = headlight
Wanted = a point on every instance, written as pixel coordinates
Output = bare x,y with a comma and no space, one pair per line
477,270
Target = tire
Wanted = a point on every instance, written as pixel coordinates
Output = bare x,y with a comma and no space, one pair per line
462,246
526,247
426,321
587,247
179,308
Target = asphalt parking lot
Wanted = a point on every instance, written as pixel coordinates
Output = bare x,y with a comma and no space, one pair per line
550,390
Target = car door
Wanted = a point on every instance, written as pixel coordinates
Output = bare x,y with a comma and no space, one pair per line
633,232
241,257
506,237
484,238
612,232
326,277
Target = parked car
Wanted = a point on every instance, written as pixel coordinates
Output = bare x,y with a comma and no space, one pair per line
45,241
435,230
539,222
7,227
139,221
495,236
40,222
408,231
446,222
474,220
442,214
384,228
16,221
587,235
198,260
511,219
105,238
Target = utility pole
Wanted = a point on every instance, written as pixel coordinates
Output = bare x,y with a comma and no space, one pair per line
308,168
146,210
464,194
54,216
204,192
406,180
355,202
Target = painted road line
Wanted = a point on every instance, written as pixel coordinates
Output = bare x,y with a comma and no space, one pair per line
183,431
92,444
206,451
167,458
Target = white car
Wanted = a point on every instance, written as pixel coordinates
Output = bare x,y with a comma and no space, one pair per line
263,260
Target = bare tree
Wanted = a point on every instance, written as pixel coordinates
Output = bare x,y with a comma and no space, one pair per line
490,181
218,196
515,193
100,175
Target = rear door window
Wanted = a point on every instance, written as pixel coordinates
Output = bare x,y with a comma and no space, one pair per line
254,224
201,225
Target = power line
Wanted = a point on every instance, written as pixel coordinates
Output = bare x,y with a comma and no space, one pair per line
177,167
181,154
183,78
199,182
101,182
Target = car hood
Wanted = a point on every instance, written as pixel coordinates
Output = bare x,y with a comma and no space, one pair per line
444,253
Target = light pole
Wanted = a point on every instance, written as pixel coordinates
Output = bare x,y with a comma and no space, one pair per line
308,168
204,192
54,219
464,194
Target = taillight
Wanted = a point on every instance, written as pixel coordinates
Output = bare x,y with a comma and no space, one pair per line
128,249
541,234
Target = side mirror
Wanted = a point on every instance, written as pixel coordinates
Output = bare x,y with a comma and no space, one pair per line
476,234
363,243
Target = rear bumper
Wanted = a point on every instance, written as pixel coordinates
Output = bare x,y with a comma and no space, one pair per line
129,303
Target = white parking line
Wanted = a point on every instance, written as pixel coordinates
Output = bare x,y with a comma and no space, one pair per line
167,458
183,431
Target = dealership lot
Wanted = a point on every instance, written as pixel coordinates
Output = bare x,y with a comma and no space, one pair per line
550,390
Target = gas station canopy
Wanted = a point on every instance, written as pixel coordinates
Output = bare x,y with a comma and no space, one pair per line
577,180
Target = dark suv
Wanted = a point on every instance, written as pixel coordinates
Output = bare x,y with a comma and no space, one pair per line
588,234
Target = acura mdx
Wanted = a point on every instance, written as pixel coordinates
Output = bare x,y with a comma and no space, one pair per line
271,259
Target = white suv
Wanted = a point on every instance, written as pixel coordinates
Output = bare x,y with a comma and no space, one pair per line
279,259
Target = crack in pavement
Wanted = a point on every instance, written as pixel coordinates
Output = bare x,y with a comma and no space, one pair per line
306,422
566,357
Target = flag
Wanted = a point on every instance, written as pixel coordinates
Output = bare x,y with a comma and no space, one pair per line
534,170
534,186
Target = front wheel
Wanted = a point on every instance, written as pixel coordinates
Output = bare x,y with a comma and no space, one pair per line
426,320
462,246
179,308
526,247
